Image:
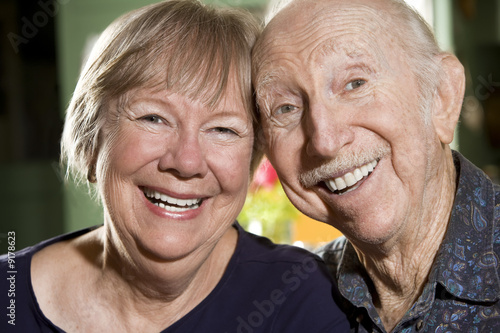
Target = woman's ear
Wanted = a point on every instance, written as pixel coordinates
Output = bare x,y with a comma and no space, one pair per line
92,170
449,97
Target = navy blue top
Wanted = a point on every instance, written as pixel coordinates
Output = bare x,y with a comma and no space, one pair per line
463,289
266,288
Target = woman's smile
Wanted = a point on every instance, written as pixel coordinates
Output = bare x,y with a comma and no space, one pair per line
170,203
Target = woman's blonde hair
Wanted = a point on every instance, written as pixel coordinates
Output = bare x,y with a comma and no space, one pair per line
180,45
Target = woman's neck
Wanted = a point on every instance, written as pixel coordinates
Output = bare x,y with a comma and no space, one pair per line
161,292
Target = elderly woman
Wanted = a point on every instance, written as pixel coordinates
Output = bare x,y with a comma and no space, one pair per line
161,122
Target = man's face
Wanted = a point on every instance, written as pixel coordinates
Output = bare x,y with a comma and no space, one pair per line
341,116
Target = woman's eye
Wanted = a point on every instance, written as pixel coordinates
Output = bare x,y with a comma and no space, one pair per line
355,84
285,109
224,130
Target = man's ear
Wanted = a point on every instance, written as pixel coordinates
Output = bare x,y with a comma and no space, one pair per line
449,97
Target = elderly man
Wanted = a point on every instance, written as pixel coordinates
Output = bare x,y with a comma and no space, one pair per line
358,107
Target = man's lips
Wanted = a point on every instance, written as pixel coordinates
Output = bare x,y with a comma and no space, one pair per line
349,181
169,203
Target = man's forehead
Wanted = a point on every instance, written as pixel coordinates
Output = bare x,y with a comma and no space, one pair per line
322,28
305,21
331,59
279,6
301,14
354,41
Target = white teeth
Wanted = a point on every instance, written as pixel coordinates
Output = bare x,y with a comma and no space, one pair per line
331,185
340,182
165,197
170,203
364,170
358,175
176,209
350,178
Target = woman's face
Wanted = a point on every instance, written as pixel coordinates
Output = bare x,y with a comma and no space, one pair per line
177,172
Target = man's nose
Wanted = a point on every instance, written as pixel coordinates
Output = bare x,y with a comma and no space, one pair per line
185,156
328,129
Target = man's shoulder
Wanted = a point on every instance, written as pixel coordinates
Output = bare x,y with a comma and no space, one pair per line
496,220
332,253
333,250
496,188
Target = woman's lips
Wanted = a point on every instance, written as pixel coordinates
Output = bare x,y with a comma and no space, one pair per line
170,203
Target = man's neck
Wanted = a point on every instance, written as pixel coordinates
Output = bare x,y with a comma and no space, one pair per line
400,268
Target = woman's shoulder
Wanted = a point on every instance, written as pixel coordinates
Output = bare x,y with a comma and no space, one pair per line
33,268
46,251
284,266
59,271
54,254
60,255
279,288
259,248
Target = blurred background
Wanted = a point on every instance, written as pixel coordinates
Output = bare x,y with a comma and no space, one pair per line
43,44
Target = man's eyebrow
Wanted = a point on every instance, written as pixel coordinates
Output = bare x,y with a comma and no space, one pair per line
326,48
266,81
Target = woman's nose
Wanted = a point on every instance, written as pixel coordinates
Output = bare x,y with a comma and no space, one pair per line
185,157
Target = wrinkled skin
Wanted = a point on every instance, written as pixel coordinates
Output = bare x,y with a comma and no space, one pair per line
181,148
335,92
333,89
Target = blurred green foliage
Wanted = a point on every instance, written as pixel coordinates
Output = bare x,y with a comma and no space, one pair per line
270,206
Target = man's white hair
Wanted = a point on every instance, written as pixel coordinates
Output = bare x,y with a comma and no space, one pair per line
417,42
273,8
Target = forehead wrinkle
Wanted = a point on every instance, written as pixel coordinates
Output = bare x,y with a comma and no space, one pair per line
354,31
344,33
359,54
347,30
273,50
266,86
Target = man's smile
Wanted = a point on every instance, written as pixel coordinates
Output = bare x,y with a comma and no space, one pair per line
348,181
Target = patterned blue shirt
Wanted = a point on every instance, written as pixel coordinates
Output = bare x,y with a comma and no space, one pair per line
463,290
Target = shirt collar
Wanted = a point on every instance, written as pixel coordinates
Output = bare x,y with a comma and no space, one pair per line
466,264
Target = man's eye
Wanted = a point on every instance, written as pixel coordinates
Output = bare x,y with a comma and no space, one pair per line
355,84
152,119
285,109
